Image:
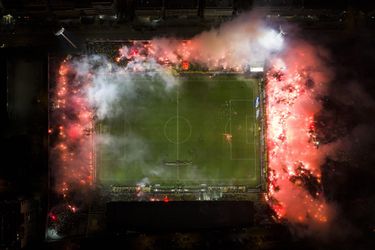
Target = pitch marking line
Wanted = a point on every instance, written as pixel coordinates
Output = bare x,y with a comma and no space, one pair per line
230,127
177,135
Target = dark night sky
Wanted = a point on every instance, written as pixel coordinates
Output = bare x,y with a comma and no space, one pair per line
340,4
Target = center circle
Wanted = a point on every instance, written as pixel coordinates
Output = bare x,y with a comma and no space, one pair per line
177,130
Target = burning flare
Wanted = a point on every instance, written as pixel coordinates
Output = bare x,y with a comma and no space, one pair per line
294,82
71,130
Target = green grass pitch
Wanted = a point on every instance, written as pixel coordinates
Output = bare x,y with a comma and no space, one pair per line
204,131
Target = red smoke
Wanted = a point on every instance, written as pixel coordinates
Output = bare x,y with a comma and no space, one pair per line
233,46
294,82
75,131
71,129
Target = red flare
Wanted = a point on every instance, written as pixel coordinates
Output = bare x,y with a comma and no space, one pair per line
185,65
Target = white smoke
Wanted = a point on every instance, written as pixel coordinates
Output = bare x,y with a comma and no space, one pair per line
112,84
126,149
243,41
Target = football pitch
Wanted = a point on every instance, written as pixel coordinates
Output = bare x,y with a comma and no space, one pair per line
205,130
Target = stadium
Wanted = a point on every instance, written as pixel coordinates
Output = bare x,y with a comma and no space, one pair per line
202,139
163,124
199,141
166,124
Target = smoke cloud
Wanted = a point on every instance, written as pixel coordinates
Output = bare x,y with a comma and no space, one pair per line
110,83
298,80
236,44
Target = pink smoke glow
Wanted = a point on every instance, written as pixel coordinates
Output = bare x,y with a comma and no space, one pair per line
231,47
71,125
295,80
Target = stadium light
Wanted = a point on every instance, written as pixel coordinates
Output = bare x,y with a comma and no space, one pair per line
60,32
272,40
